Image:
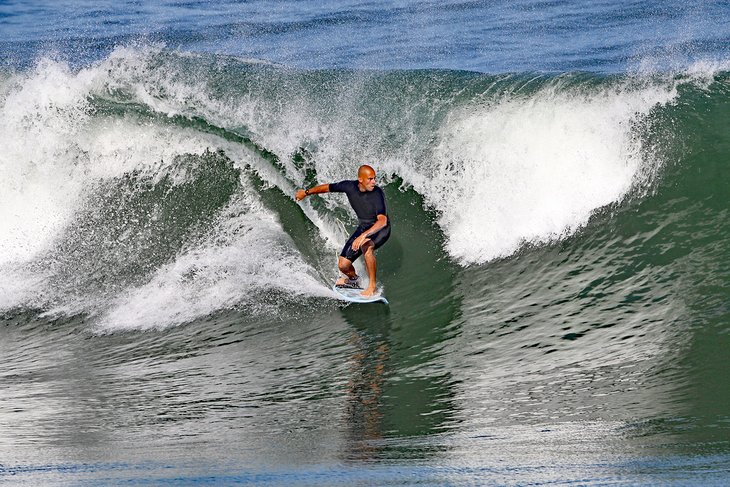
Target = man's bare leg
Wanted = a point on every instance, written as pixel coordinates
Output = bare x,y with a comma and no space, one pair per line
347,269
369,253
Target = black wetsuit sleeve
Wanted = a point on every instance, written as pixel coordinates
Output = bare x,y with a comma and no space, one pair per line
340,187
380,208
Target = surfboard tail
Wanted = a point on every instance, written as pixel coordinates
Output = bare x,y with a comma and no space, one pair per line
354,295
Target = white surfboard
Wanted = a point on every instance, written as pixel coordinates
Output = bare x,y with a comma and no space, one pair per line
353,296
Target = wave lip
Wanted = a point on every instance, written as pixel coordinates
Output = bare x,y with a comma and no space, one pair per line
534,169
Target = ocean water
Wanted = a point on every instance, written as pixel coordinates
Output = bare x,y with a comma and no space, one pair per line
558,274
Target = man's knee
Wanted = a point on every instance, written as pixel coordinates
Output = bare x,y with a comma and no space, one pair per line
344,264
368,247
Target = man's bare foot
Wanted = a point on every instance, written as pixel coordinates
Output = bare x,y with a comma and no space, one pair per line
370,291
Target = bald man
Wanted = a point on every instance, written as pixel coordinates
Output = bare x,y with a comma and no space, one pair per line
368,201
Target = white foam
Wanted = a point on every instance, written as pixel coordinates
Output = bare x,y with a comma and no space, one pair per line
54,149
20,286
533,169
248,254
40,117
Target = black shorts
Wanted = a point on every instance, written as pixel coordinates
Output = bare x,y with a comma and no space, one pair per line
378,239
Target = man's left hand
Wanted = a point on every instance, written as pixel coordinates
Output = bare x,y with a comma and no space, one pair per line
357,243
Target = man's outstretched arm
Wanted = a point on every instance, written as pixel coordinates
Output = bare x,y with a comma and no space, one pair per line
320,188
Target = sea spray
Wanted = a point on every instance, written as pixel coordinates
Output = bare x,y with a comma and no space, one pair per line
500,160
533,169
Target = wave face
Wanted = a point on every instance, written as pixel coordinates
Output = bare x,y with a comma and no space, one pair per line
134,172
559,257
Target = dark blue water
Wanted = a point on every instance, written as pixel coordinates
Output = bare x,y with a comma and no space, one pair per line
490,37
557,274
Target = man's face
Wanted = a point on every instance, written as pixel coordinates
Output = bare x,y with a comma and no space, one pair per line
367,180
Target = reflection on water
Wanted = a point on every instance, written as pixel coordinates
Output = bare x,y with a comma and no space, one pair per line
393,391
364,415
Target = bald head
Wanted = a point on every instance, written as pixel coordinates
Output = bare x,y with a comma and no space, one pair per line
365,171
366,177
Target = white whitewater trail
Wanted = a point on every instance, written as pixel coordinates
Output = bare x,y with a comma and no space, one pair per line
55,148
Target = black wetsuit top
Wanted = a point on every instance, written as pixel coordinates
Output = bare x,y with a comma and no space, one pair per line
367,204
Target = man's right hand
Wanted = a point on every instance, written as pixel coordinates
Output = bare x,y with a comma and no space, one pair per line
300,195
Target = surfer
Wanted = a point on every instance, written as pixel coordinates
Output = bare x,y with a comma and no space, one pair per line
368,201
